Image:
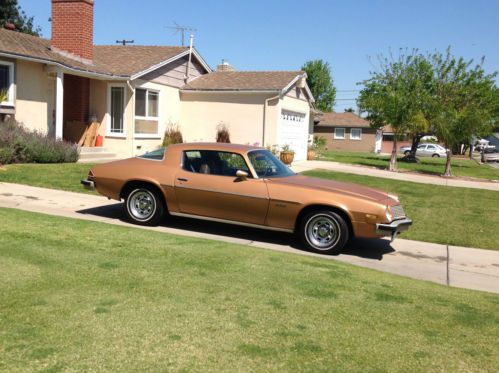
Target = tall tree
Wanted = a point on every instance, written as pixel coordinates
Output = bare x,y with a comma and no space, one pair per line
465,101
11,12
321,84
396,94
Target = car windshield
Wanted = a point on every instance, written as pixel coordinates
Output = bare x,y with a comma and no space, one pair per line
156,155
267,165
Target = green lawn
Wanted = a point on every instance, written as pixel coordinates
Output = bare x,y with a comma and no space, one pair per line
86,296
65,176
433,166
447,215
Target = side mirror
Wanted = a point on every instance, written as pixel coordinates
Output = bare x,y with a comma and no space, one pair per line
243,175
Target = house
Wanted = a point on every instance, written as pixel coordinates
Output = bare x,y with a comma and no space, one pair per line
59,86
347,132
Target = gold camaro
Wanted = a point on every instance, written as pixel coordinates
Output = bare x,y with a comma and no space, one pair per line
249,186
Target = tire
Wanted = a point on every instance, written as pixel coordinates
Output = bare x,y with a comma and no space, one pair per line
407,152
435,156
324,232
144,206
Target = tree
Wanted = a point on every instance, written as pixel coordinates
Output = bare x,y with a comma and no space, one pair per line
465,101
397,95
320,81
350,110
10,12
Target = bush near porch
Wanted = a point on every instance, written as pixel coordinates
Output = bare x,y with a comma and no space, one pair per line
19,145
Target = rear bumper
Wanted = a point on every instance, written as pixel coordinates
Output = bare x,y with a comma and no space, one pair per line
88,184
393,228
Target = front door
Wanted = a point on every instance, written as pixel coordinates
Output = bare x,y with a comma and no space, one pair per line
207,186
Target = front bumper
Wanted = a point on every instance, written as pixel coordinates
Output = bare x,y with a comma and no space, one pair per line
394,228
88,184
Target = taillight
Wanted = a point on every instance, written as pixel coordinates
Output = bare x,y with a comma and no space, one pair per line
90,175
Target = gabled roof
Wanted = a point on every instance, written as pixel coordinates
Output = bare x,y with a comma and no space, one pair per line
346,119
128,61
244,81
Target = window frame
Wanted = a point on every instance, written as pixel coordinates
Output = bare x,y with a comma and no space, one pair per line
184,155
335,137
11,90
360,134
110,87
147,117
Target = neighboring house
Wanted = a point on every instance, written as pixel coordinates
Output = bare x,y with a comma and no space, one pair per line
388,137
347,132
58,86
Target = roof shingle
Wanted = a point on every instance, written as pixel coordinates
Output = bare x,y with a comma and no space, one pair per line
114,60
242,81
346,119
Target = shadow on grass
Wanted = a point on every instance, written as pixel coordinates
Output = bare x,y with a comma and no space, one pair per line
363,248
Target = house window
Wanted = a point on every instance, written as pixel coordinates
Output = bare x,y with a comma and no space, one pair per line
146,112
7,82
116,110
339,133
355,134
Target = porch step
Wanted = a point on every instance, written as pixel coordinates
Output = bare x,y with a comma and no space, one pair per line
96,155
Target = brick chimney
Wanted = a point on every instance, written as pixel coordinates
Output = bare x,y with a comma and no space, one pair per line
73,28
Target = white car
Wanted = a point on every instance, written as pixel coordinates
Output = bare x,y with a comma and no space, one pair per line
426,150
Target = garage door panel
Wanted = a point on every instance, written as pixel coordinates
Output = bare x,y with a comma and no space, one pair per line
294,132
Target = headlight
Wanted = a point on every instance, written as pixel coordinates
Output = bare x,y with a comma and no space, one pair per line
388,213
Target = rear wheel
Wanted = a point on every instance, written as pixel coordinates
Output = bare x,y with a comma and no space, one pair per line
144,206
435,156
407,152
324,232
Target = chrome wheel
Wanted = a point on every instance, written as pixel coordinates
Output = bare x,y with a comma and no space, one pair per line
141,204
322,232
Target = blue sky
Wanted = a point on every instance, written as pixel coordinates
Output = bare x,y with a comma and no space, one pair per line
282,35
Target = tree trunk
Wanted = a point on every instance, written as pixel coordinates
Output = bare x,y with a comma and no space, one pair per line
393,159
448,170
471,151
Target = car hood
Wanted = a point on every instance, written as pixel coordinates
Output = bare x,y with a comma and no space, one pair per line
334,186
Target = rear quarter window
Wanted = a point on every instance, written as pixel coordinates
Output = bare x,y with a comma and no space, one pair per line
156,155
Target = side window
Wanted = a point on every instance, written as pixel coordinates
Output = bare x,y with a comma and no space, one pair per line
431,147
214,162
421,147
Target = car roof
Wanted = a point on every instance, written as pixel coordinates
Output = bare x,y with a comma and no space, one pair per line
214,146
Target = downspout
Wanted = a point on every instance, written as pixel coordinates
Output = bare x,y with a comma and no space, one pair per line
133,115
265,115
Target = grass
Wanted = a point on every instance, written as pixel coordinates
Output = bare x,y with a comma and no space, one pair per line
85,296
63,176
432,166
455,216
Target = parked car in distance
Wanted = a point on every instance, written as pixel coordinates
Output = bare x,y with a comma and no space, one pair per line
485,146
426,150
246,185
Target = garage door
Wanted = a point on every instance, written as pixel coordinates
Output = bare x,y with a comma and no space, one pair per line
294,132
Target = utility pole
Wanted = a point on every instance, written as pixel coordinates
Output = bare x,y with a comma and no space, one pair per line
125,42
182,30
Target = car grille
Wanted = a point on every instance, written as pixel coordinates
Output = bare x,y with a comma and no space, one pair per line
398,212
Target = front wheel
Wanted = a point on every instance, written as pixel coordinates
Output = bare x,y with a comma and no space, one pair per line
324,232
144,206
407,153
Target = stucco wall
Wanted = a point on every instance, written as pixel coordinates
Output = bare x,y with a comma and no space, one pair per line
242,113
365,144
169,112
35,96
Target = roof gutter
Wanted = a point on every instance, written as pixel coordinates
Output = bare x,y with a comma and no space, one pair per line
73,70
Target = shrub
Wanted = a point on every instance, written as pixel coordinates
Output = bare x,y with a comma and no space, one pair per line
20,145
223,134
172,135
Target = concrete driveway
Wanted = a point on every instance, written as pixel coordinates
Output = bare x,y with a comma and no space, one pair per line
449,265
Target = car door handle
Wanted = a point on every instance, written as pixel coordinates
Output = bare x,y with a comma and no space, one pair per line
182,179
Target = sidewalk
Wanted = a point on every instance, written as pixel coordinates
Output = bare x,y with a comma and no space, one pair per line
448,265
403,176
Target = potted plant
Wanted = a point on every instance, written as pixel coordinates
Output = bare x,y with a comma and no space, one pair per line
287,155
311,153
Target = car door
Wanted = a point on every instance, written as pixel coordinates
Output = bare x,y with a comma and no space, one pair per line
421,150
207,185
430,150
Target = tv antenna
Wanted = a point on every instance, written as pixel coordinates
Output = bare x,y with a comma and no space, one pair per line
182,30
125,42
